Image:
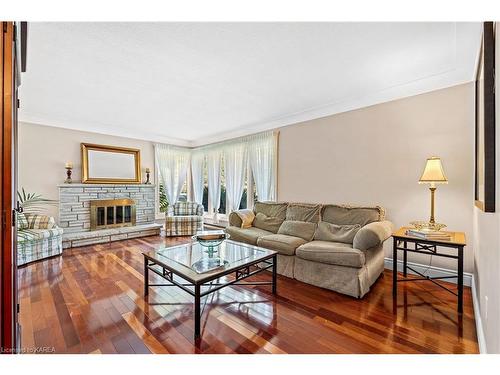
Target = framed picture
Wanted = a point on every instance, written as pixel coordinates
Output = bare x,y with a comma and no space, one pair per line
485,122
110,165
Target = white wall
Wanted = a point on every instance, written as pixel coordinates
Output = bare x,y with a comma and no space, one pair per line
375,156
43,151
487,249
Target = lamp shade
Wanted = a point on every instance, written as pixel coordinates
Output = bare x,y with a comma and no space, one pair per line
433,172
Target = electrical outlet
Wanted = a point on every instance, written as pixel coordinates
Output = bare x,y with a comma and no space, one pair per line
485,307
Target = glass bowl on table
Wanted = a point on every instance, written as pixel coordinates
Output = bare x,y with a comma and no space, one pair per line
211,240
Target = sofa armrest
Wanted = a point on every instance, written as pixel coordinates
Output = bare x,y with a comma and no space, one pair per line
372,235
235,220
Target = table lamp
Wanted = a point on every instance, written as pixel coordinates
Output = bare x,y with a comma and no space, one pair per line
433,174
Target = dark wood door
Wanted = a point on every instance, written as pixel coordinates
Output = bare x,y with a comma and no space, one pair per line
8,181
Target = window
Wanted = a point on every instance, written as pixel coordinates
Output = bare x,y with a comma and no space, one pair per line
254,191
261,150
244,198
222,208
162,196
205,186
183,196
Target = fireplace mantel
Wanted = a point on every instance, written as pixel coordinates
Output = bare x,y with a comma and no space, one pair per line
79,185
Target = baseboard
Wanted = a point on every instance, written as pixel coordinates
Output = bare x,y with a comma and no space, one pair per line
481,340
430,271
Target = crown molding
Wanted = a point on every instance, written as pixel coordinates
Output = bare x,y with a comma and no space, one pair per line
109,130
454,78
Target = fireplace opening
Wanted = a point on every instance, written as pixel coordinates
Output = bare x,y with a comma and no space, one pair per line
112,213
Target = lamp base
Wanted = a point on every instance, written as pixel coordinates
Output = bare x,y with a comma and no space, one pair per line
427,225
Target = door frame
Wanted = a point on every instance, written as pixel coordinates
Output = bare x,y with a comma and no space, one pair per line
8,268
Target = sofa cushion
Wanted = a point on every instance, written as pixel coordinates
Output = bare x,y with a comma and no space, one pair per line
332,253
246,217
269,223
303,212
272,209
336,233
300,229
246,235
343,214
281,243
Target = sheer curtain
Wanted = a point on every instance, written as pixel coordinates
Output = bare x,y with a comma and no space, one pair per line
173,163
213,166
197,161
235,166
262,153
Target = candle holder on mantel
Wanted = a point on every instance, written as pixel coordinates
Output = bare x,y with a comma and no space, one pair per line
148,171
69,170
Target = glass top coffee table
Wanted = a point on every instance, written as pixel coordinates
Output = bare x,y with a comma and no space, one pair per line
197,270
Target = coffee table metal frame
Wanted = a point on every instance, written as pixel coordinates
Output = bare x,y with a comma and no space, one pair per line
212,280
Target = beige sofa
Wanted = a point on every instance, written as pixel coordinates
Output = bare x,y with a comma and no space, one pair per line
332,246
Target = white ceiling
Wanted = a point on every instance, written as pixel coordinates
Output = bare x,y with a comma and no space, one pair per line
196,83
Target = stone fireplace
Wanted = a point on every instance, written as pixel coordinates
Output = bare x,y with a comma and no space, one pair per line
101,213
112,213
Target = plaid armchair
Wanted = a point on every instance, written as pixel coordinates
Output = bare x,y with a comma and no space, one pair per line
38,237
186,220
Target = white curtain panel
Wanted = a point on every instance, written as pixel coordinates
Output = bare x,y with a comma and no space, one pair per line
173,164
197,161
213,166
262,154
235,164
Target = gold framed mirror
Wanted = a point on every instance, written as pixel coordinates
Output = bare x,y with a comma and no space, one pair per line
110,165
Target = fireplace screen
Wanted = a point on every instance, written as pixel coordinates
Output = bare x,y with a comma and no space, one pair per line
112,213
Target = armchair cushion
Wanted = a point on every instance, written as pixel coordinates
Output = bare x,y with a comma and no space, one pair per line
336,233
183,225
372,235
187,208
28,235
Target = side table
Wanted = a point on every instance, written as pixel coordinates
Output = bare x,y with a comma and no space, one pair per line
408,244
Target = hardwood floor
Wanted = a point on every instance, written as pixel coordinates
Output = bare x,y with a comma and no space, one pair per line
90,300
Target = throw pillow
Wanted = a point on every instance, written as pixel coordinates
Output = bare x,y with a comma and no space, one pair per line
269,223
22,222
300,229
247,217
336,233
